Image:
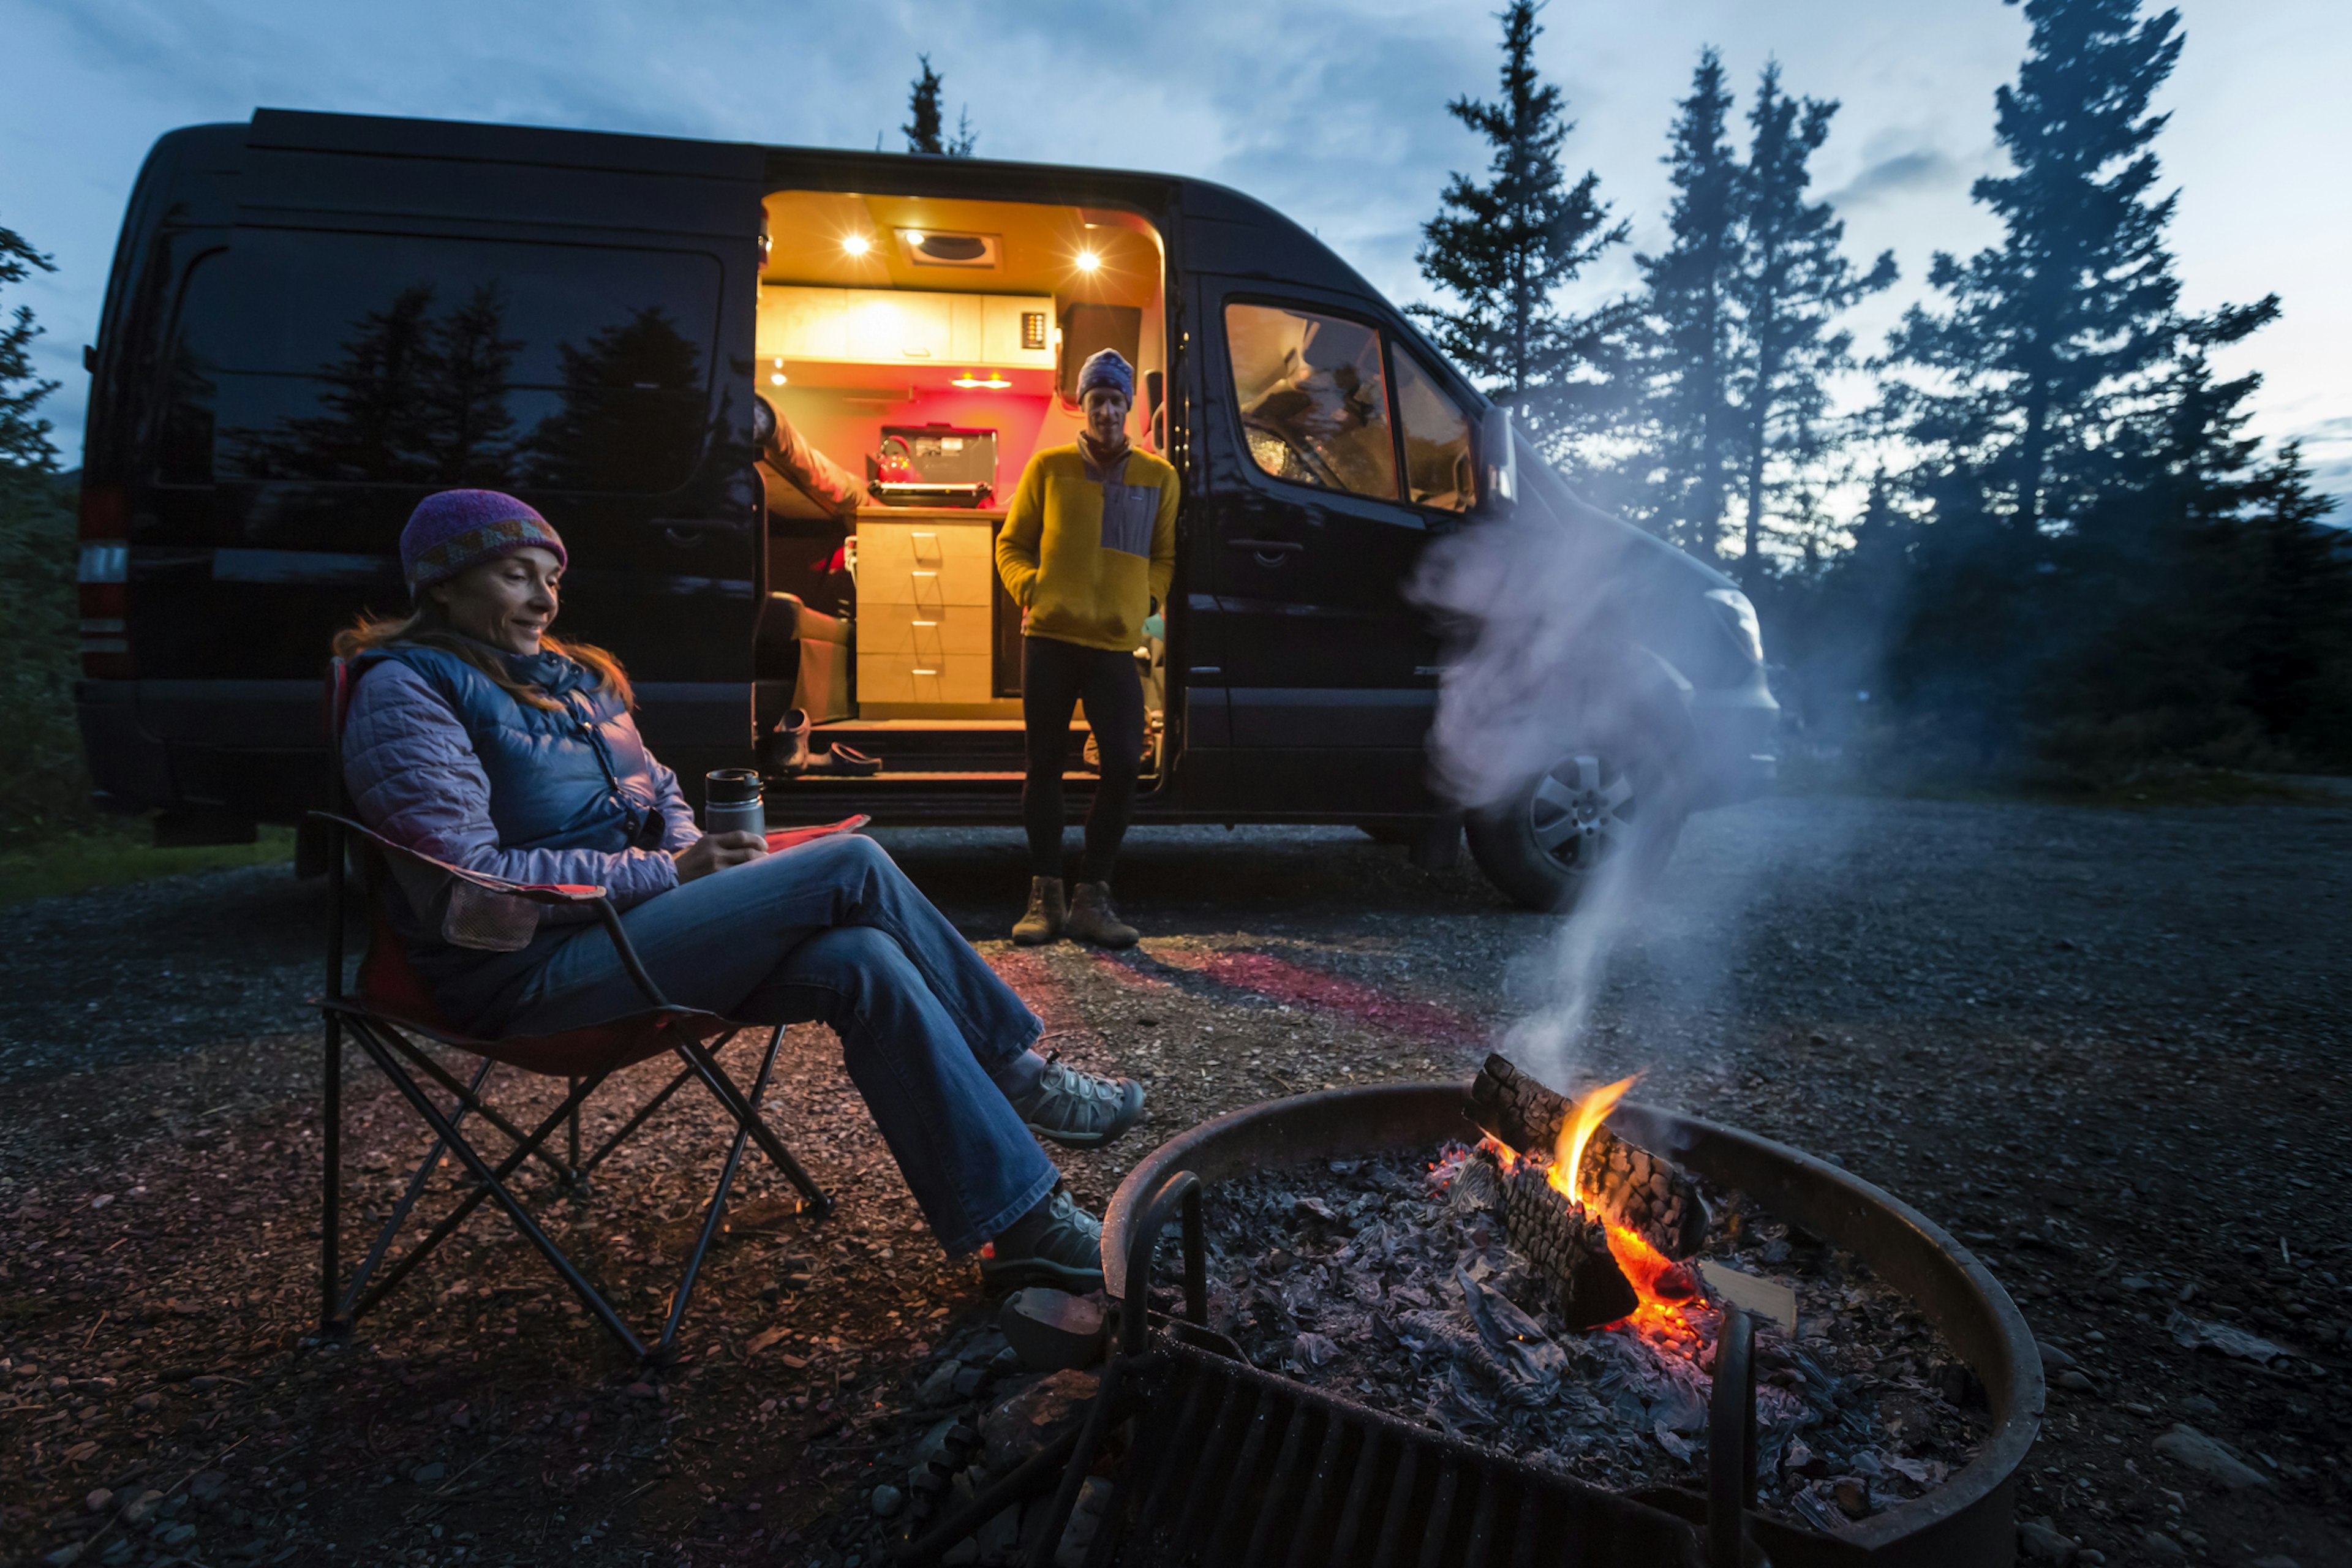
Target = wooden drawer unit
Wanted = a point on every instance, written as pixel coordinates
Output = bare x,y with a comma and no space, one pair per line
923,563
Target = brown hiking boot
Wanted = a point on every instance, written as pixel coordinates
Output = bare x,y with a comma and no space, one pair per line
1091,917
1044,918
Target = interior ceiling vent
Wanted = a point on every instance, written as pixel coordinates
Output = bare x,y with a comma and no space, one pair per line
931,248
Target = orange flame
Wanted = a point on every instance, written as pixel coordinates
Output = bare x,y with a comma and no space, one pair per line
1662,1284
1584,1119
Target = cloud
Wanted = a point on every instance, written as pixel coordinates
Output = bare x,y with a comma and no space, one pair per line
1923,169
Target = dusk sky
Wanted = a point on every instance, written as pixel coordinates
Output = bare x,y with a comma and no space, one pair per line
1334,114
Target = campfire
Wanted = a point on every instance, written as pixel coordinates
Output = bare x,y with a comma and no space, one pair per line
1540,1291
1605,1220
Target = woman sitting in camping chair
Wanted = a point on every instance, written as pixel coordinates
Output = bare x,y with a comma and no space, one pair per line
476,738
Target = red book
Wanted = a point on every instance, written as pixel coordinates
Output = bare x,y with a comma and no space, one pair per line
785,838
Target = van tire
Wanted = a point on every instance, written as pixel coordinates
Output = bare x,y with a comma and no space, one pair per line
1544,846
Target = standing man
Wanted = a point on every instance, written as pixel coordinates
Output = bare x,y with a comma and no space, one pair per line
1087,551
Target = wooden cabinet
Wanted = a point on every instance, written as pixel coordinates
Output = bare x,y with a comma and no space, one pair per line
905,326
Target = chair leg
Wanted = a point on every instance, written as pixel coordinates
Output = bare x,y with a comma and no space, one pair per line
717,1202
572,1152
820,1204
637,1120
494,1184
416,1181
487,1112
331,1216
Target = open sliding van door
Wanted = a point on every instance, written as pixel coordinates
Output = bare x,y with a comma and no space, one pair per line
406,306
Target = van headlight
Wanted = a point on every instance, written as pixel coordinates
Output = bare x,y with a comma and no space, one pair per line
1739,616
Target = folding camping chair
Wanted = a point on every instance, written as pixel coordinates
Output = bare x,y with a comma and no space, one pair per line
389,1013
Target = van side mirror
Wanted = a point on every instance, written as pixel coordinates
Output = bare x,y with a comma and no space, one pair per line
1498,461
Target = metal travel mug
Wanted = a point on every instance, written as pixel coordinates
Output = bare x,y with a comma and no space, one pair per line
731,802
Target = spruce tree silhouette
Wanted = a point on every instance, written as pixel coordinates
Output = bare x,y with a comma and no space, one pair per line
2048,399
1687,306
1791,284
1504,249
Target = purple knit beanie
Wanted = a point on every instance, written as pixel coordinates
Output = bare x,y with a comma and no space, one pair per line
458,529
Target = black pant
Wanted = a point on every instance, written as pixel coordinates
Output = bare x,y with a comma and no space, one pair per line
1053,676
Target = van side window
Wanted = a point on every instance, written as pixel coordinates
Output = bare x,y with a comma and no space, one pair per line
1438,468
1313,398
396,358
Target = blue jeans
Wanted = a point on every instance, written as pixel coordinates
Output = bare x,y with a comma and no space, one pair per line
832,932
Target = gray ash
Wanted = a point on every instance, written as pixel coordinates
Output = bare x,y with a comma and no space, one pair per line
1388,1281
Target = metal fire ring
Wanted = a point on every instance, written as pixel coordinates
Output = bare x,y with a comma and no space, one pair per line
1966,1522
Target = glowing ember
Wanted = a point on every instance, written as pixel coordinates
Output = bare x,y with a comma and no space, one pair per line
1662,1285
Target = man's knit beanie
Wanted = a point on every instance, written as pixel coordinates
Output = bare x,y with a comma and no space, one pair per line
454,529
1106,368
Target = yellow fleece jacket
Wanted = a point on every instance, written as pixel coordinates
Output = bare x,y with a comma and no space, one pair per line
1088,557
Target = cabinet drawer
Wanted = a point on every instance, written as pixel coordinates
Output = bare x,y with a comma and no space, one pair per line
935,565
933,546
924,677
968,586
914,629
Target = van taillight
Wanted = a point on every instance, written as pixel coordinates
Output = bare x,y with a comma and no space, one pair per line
105,582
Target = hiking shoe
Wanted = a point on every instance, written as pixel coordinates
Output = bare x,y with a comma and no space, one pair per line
1091,917
1043,918
1059,1245
1077,1110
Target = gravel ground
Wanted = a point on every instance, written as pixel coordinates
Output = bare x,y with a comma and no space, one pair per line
2106,1046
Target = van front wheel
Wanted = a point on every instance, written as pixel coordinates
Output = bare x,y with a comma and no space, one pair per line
1592,812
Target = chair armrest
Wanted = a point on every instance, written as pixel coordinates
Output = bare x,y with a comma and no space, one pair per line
537,892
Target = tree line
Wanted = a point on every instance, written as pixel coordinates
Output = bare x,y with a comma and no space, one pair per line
2071,551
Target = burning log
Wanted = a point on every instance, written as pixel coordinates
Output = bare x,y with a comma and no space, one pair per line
1568,1247
1634,1187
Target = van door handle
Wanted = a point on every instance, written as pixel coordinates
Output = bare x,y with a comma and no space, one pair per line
687,531
1263,547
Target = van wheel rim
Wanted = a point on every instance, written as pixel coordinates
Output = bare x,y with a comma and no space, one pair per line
1582,811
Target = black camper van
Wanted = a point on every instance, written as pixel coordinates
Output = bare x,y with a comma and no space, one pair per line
775,399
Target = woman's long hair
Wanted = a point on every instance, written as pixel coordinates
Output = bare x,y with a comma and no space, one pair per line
427,627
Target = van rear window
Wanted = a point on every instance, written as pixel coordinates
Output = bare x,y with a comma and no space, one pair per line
404,360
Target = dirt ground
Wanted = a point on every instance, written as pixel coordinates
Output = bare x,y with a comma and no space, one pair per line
2107,1048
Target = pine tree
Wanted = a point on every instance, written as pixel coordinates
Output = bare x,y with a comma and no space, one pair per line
1688,321
1791,284
1504,249
2292,642
926,127
43,786
25,446
2075,451
923,128
2054,331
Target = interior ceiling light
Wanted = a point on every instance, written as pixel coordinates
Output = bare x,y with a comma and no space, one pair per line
972,378
856,244
776,379
929,248
1089,261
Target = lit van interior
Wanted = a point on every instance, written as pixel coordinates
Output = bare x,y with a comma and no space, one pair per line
916,353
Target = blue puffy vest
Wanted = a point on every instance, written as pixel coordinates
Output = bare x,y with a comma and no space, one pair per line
577,779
